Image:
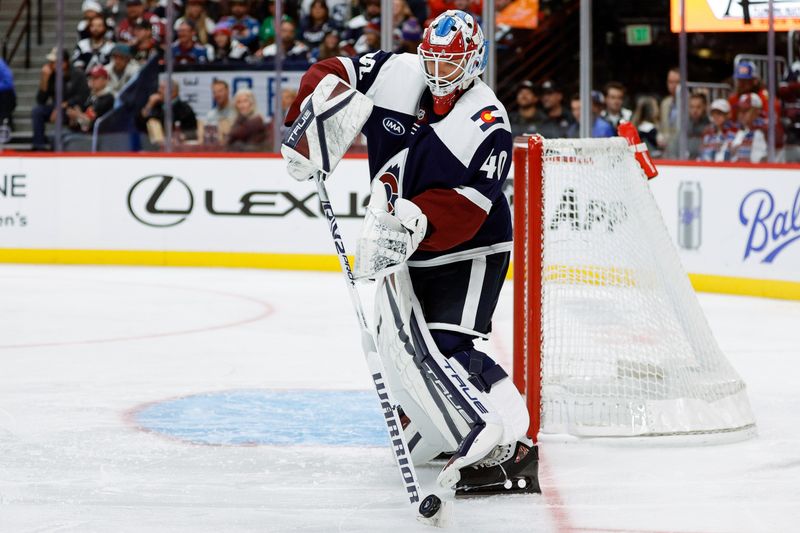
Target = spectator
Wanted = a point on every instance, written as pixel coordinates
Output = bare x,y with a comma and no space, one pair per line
614,94
789,92
151,116
718,136
370,40
355,26
600,128
244,28
144,45
400,13
410,36
121,70
287,98
698,122
100,101
8,96
645,118
747,82
92,9
668,124
525,118
330,47
292,48
468,6
135,13
556,122
750,143
94,50
403,19
203,25
228,50
220,118
266,34
75,92
339,11
316,24
249,130
185,50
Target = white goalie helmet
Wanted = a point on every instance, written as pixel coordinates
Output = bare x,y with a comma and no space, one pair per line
453,52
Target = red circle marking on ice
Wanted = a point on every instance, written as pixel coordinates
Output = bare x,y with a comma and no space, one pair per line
266,310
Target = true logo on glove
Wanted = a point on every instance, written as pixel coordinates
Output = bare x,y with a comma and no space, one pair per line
295,136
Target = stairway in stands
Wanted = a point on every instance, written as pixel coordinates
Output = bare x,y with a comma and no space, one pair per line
26,80
548,52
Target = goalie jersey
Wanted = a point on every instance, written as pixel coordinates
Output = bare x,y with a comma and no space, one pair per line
453,167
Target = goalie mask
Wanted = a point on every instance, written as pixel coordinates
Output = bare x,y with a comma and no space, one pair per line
452,54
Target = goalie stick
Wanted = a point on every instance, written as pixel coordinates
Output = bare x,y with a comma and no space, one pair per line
431,510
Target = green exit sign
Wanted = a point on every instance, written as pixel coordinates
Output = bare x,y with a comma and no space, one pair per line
639,35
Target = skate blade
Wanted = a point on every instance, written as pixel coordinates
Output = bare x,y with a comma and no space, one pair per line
529,486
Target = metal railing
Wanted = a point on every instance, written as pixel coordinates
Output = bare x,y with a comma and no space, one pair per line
12,42
713,91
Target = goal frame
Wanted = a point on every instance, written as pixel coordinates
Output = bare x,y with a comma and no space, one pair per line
527,273
529,341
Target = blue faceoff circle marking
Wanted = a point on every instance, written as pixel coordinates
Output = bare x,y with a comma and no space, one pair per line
271,417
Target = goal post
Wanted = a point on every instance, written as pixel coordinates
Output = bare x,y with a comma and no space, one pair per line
609,338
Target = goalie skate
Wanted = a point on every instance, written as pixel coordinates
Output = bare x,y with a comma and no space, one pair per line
510,469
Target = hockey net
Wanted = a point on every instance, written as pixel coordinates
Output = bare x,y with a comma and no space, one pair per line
610,340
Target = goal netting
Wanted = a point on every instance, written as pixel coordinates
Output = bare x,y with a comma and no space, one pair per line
610,339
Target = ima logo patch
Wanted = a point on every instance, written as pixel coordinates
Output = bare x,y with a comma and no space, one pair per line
391,186
488,117
393,126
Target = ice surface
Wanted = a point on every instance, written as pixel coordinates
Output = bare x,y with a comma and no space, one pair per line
87,352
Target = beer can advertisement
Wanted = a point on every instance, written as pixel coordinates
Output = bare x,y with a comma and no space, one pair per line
690,208
732,221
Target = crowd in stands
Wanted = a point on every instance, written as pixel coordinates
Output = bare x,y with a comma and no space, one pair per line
732,128
214,31
115,38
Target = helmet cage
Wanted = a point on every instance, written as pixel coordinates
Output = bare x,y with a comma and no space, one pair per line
455,39
442,85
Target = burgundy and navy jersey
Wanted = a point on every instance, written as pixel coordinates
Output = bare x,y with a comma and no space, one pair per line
453,166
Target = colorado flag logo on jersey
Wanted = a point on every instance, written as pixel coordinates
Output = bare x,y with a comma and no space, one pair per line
488,117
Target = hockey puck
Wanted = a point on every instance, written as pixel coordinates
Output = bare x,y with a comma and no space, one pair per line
430,506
